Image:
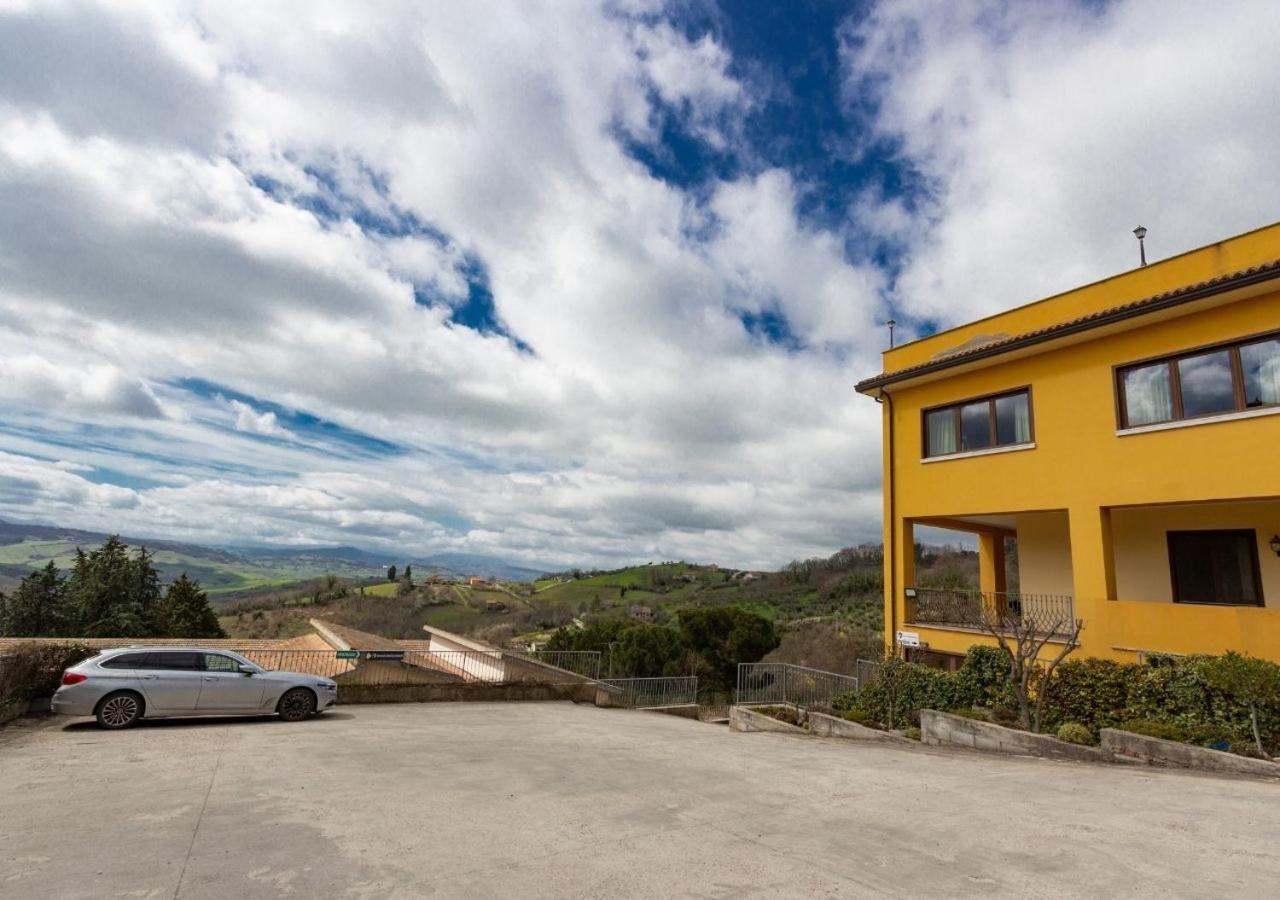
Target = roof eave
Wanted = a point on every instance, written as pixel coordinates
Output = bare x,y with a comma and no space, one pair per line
1256,275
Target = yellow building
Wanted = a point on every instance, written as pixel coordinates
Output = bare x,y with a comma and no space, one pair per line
1124,436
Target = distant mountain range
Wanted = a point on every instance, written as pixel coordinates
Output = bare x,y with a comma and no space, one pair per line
235,570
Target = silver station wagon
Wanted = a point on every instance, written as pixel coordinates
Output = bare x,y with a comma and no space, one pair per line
121,686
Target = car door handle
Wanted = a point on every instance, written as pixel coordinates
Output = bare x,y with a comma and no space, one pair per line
210,678
149,677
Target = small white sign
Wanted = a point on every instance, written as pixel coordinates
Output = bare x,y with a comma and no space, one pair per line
908,639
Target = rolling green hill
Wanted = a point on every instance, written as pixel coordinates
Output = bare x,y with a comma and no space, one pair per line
844,591
232,572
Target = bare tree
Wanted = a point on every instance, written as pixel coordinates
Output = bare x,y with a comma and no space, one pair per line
1023,635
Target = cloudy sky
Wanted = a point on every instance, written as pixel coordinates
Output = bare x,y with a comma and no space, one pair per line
564,282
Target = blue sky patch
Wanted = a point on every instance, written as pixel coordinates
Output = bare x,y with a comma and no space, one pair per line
772,327
302,424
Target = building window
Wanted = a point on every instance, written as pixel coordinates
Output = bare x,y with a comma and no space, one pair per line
1215,567
999,421
1224,379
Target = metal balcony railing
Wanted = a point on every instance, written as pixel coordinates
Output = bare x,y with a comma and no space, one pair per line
980,610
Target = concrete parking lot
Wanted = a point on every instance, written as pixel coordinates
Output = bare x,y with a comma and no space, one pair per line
557,800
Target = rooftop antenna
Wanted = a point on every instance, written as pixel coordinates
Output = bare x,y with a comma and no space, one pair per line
891,324
1141,233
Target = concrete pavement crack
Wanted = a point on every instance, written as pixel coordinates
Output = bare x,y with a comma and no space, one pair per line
217,763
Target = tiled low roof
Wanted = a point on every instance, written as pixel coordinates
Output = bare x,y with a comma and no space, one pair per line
1177,296
101,643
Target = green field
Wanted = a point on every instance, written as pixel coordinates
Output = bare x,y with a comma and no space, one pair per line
219,573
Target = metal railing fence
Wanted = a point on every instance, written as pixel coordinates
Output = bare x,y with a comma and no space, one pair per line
762,683
648,693
868,671
375,667
1048,613
586,663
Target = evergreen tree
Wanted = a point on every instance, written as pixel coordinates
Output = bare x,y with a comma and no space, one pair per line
184,612
391,573
38,607
408,574
146,591
102,592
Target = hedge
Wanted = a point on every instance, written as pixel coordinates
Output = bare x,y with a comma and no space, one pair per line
1184,696
35,670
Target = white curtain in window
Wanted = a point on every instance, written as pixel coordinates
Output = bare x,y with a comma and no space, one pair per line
1147,395
1022,421
942,432
1269,381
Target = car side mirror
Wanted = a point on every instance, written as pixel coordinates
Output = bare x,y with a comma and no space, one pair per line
245,670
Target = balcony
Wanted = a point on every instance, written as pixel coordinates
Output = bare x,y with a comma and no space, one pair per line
1052,614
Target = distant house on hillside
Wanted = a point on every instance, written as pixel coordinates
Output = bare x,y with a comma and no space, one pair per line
477,581
644,613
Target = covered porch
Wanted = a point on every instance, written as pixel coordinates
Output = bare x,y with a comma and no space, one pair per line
1199,577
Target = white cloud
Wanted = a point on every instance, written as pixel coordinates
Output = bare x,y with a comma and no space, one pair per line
251,421
1046,132
244,200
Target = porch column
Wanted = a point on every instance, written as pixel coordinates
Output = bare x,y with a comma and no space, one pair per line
1092,562
991,562
901,577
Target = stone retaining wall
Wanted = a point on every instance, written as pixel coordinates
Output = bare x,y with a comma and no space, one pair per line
944,729
1156,751
823,725
743,719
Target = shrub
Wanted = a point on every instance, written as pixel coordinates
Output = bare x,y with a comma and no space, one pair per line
969,712
1091,692
35,670
903,689
1255,683
1152,728
846,702
1074,733
1184,692
856,715
787,714
912,733
983,678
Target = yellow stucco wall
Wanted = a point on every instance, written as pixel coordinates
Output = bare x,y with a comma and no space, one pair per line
1141,544
1044,553
1079,463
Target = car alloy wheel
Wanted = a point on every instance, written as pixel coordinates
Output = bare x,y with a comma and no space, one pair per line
119,711
297,704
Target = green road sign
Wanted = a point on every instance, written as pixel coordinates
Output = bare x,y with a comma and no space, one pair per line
348,654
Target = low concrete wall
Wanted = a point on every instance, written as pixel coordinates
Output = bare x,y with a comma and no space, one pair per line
12,710
944,729
684,710
474,691
743,719
1158,752
831,726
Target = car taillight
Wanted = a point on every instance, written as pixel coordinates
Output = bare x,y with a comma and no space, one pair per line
73,678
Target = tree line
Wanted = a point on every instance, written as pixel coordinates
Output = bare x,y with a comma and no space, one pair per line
707,642
109,592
